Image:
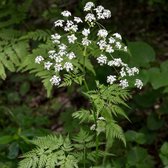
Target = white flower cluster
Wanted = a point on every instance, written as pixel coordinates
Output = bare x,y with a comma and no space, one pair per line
57,61
124,72
65,58
100,12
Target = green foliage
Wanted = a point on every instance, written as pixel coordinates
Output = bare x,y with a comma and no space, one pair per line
139,158
106,102
101,118
51,151
164,154
133,136
56,151
142,53
11,14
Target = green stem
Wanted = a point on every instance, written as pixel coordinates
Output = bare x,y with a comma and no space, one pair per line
84,156
94,112
97,139
86,85
104,158
84,57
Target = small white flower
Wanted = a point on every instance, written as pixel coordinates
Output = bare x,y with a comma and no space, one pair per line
107,13
85,41
71,38
122,72
62,53
78,20
132,71
90,17
58,59
99,9
102,13
55,38
124,83
102,59
109,49
102,33
47,65
55,80
93,127
53,56
125,49
68,66
74,28
70,26
118,45
39,59
62,47
66,13
111,40
138,83
117,35
135,70
88,6
100,16
51,52
115,62
86,32
71,55
69,23
101,118
102,44
59,23
111,79
58,67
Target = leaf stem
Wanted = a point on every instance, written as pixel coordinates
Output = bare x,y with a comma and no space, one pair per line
84,156
97,139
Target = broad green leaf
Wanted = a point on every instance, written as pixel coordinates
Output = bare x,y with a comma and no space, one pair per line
6,139
142,54
134,136
157,78
139,158
164,154
164,66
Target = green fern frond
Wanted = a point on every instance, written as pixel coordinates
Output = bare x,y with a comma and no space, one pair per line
26,163
37,35
11,56
83,115
14,13
67,146
116,110
69,162
49,142
113,130
50,152
9,34
83,137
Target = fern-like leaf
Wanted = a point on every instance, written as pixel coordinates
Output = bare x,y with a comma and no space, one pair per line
113,130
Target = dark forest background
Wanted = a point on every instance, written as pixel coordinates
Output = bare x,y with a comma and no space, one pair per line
26,111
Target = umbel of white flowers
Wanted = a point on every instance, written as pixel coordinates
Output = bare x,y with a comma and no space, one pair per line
64,58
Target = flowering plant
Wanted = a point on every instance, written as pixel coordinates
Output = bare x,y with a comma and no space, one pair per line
71,55
74,51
